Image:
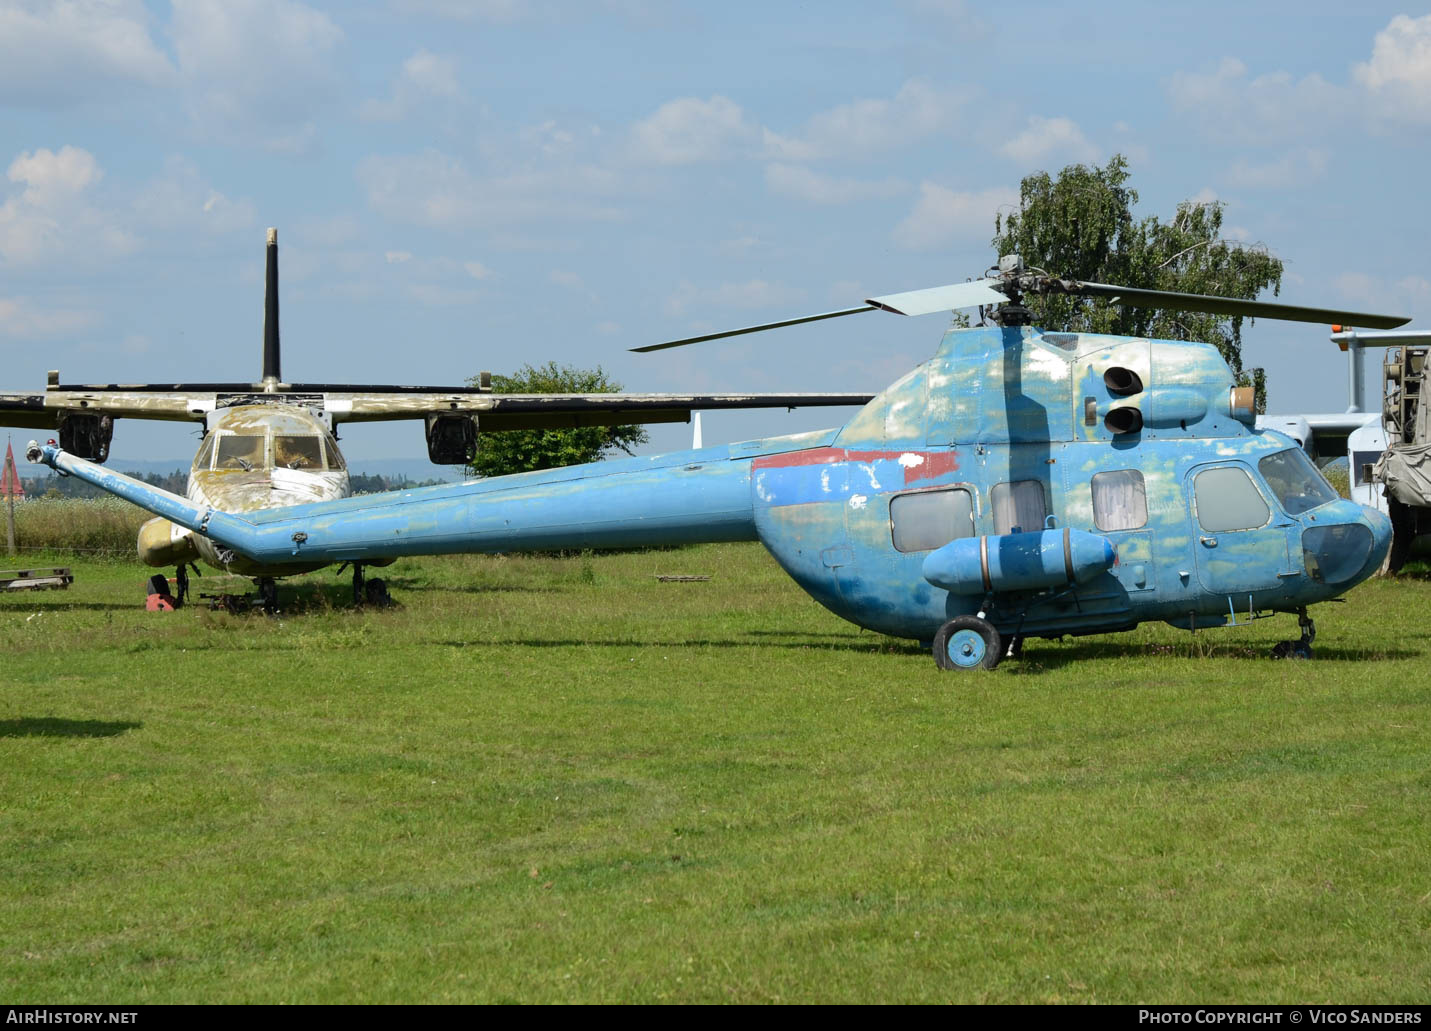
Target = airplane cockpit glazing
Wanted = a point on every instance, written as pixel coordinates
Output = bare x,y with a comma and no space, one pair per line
227,450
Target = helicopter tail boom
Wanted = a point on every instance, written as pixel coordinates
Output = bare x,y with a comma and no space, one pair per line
700,497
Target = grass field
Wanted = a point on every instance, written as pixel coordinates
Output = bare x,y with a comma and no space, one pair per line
557,779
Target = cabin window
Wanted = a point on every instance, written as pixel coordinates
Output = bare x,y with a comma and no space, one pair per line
1227,499
297,452
930,519
1019,507
239,452
1120,500
1295,481
205,457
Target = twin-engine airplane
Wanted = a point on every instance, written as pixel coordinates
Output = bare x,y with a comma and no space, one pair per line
1018,483
273,444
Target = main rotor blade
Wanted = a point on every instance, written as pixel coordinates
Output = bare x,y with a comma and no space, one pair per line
756,329
1235,306
940,298
911,302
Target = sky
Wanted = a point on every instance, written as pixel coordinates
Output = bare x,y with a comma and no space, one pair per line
461,185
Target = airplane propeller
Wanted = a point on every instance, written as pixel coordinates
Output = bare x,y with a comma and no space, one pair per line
1005,293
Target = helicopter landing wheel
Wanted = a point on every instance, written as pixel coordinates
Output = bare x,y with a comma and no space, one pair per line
376,593
967,643
1302,647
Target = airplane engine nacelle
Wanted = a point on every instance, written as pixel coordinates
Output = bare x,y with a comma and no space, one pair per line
1019,561
451,438
87,435
161,543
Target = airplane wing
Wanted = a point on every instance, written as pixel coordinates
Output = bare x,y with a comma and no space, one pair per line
1323,437
180,402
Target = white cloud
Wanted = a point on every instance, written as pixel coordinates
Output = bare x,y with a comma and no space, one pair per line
435,296
573,282
869,126
957,14
942,215
179,198
433,75
476,269
56,53
1291,169
1398,76
753,294
21,319
1050,136
53,216
501,11
553,140
742,246
1272,107
689,130
436,189
255,69
397,257
425,78
804,184
327,230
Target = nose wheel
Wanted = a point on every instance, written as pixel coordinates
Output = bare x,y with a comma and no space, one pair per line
1302,647
268,594
967,643
369,592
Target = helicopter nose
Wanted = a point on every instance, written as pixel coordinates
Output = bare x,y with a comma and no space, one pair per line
1347,544
1380,527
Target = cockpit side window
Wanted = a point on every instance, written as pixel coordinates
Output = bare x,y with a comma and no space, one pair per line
205,457
291,451
235,451
1227,499
1296,481
1019,505
333,455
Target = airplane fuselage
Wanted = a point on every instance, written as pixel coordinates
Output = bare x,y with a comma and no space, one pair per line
252,457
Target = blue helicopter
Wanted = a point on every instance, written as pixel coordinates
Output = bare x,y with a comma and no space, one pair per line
1017,484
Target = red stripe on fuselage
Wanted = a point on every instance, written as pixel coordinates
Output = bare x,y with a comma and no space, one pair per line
935,464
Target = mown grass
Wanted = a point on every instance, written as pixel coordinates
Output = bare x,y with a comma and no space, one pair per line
557,779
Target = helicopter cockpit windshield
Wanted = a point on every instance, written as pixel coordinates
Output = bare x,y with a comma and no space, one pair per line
1296,481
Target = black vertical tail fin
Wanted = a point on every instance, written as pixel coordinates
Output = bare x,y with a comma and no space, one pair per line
271,372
